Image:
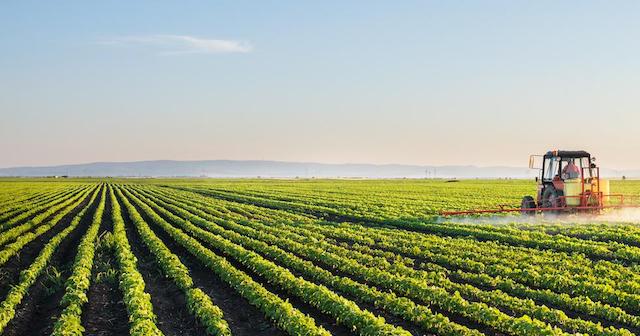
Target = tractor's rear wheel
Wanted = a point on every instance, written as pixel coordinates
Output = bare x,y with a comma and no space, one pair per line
552,198
528,203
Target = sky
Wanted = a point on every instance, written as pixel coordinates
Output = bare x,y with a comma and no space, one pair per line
482,83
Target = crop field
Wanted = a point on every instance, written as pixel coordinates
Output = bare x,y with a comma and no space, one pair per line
306,257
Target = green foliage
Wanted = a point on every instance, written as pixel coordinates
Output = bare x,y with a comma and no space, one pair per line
29,276
344,311
137,301
22,238
52,280
77,285
198,302
104,269
346,248
282,312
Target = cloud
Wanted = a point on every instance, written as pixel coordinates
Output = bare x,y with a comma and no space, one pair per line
181,44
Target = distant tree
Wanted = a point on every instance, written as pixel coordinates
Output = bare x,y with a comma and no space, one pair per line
624,177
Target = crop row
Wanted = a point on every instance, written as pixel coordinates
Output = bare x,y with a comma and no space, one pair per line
402,307
283,313
14,248
551,315
343,310
529,266
136,300
75,296
29,276
417,290
459,254
29,210
15,211
608,250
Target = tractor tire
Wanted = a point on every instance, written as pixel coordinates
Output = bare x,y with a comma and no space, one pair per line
552,198
528,203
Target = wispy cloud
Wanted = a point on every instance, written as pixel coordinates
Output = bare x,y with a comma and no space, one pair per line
180,44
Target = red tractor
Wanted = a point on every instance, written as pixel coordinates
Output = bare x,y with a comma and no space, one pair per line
568,181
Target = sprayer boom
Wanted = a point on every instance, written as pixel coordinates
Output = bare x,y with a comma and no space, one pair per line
626,201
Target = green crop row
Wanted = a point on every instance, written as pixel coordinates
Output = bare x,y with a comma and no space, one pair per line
15,211
136,300
29,276
282,312
344,311
401,307
29,210
413,288
77,285
551,276
198,302
458,256
513,304
15,232
363,238
15,247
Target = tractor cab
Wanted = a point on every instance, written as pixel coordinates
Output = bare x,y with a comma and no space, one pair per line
567,180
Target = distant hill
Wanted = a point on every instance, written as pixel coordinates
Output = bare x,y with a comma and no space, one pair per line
275,169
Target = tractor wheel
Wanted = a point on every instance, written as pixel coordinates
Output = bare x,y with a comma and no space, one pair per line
528,203
552,198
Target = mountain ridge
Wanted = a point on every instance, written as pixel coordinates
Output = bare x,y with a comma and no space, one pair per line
275,169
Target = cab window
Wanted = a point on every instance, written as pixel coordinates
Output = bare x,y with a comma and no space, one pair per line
588,172
551,168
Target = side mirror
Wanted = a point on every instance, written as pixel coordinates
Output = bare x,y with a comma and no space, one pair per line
535,161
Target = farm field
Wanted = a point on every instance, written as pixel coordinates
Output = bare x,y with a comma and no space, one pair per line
306,257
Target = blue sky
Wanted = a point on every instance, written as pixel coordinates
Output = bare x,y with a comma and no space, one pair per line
417,82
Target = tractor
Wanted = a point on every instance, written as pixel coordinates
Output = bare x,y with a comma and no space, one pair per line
568,181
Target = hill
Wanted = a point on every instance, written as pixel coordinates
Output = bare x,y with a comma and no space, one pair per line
275,169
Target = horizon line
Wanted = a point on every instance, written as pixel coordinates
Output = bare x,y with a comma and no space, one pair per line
266,160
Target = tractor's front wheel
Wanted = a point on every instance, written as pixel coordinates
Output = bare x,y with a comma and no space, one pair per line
552,198
528,203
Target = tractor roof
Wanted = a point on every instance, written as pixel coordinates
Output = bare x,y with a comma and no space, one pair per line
568,154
